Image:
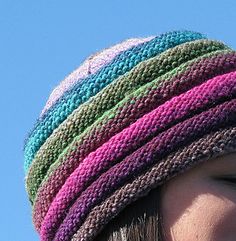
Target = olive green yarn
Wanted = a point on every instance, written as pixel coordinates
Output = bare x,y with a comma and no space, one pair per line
142,90
94,108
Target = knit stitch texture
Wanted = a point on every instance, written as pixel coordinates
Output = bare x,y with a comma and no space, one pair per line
128,119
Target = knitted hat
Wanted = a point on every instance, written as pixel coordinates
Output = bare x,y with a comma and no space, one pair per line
127,120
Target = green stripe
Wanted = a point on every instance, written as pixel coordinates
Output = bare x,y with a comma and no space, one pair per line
138,76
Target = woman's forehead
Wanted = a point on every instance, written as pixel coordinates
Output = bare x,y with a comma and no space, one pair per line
221,165
223,162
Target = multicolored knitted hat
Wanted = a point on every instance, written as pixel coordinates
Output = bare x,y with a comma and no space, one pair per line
127,120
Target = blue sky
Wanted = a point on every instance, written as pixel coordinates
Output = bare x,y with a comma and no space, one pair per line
41,42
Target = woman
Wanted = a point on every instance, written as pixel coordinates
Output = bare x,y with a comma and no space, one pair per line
138,144
197,205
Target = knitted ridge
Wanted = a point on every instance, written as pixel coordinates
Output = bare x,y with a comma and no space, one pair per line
42,209
90,86
119,147
47,192
210,146
128,119
144,157
90,66
81,118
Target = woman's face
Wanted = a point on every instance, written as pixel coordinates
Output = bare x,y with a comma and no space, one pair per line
199,204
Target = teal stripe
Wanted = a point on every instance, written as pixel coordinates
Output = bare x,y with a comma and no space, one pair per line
91,85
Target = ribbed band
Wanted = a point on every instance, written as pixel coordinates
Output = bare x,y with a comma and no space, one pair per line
128,119
124,143
49,189
90,86
107,99
205,148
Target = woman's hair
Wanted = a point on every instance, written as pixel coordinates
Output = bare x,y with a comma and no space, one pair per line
126,121
141,221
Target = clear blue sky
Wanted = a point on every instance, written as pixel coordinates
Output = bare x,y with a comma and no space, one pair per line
41,42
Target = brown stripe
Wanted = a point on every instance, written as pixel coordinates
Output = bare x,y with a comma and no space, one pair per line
210,146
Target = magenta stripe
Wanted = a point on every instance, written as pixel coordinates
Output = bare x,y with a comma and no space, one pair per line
131,138
178,84
174,138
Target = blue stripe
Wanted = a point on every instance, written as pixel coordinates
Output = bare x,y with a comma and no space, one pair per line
92,84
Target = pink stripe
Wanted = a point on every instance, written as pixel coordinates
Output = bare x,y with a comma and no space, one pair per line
91,65
129,139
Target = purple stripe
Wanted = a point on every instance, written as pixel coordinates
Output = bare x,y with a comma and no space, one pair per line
133,137
207,68
139,161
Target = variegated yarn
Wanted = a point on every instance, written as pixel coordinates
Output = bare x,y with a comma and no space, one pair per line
128,119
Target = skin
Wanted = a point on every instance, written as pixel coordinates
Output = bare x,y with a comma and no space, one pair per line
199,206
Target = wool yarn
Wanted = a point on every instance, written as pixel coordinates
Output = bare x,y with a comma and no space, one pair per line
91,65
128,119
92,85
